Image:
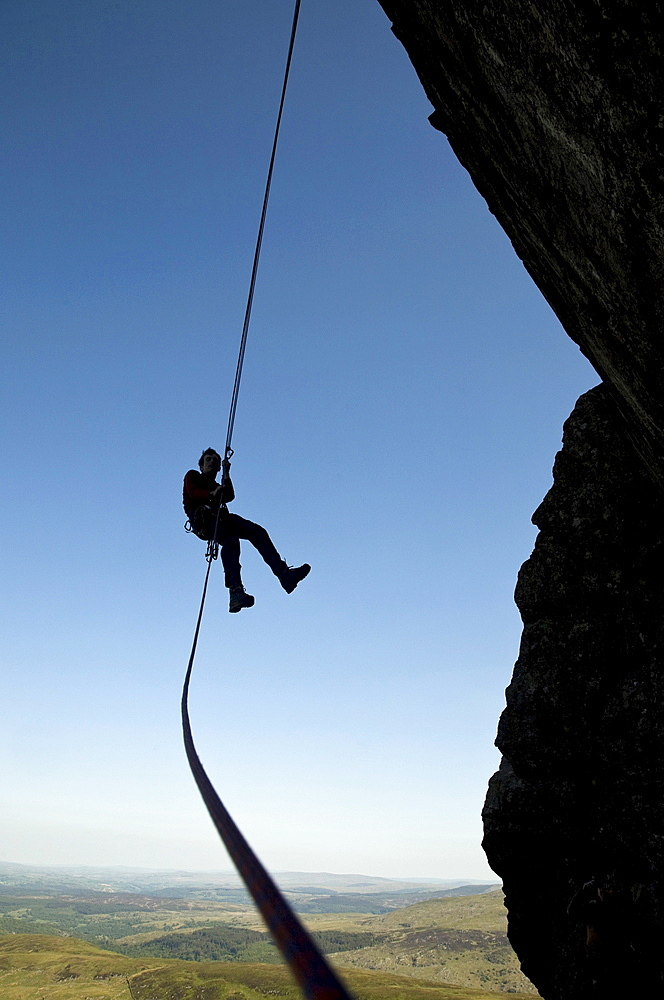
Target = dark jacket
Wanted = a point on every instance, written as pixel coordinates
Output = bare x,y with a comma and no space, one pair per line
196,497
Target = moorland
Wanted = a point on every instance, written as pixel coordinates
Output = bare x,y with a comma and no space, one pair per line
71,941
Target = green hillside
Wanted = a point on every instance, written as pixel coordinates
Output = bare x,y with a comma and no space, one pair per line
41,967
37,967
461,941
485,912
454,940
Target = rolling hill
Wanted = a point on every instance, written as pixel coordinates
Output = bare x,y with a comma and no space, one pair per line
457,941
40,967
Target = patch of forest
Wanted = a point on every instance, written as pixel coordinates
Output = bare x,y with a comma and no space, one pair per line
225,943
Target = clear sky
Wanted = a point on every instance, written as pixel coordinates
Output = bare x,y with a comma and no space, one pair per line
404,391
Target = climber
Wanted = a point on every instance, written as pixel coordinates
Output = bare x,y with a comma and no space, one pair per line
202,496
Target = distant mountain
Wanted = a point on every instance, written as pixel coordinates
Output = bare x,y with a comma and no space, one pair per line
313,892
379,902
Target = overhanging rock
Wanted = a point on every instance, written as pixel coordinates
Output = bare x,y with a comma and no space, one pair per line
555,109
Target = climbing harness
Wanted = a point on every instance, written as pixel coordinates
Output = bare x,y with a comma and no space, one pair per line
311,970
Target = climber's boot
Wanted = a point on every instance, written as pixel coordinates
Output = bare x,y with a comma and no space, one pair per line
292,575
239,599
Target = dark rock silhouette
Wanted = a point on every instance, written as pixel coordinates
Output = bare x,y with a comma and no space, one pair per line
556,111
579,793
554,108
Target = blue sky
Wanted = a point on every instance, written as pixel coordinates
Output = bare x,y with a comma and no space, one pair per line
404,391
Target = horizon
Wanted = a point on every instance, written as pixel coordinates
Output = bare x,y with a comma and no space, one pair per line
232,872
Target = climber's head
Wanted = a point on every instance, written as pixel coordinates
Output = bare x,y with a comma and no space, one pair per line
210,461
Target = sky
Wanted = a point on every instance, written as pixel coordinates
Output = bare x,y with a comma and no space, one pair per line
404,390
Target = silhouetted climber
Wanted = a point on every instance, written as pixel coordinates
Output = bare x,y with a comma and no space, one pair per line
202,496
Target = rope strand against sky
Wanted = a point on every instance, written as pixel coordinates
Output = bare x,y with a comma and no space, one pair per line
259,239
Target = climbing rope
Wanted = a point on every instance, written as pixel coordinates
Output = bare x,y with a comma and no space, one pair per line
259,240
228,451
311,970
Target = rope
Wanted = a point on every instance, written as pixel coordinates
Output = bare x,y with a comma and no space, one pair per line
259,240
311,970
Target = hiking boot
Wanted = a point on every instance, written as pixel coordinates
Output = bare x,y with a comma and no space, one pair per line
290,578
239,599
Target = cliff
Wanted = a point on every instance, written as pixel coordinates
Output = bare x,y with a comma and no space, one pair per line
555,111
578,798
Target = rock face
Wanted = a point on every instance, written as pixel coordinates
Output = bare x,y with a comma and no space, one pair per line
556,111
580,790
